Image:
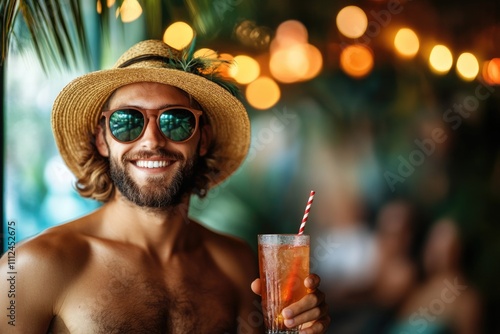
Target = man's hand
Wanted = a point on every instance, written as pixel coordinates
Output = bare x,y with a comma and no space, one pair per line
311,312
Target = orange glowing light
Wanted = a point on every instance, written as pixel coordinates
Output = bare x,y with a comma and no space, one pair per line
290,32
178,35
493,71
263,93
440,59
289,64
406,43
244,69
314,62
352,21
296,63
225,65
467,66
356,60
205,53
130,10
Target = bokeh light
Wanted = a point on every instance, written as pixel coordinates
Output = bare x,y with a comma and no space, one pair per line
288,64
225,64
178,35
244,69
440,59
253,35
356,60
467,66
205,53
109,3
352,21
263,93
494,70
292,58
130,10
314,62
491,71
289,33
406,42
296,63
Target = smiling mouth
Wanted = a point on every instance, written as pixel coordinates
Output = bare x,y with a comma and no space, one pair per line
153,164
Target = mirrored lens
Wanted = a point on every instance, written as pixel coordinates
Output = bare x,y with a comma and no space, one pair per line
177,124
126,124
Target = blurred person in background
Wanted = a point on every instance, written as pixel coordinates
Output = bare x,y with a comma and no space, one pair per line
445,302
388,279
396,270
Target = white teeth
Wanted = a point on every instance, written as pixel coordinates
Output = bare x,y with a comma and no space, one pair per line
152,164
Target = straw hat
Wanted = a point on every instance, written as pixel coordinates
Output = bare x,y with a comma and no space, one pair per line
77,109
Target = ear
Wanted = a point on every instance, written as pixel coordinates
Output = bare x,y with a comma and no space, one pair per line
205,140
100,142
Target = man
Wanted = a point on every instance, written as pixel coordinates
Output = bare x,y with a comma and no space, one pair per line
142,137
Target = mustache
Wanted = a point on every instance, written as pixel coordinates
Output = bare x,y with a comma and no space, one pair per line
158,153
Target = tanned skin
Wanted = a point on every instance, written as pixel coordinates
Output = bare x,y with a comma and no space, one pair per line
131,269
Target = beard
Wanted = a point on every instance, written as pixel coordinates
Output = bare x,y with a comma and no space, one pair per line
158,192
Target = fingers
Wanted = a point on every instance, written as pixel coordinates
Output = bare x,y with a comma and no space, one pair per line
311,312
256,286
312,282
309,308
314,320
319,326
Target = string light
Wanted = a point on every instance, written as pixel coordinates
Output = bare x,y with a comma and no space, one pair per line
406,42
244,69
263,93
178,35
491,71
356,60
130,10
467,66
224,66
440,59
352,21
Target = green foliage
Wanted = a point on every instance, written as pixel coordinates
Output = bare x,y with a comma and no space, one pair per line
55,26
203,66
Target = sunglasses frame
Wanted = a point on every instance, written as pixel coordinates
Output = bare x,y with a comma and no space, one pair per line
147,114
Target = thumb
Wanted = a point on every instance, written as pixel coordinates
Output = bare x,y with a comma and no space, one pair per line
256,287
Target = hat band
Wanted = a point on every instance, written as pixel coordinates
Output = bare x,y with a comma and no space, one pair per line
142,58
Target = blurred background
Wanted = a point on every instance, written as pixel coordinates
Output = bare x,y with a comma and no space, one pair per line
388,109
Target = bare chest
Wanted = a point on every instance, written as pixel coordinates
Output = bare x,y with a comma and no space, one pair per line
127,296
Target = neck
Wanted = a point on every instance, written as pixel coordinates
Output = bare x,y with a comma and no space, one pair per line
160,231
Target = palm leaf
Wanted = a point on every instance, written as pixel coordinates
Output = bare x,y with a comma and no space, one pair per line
8,12
55,27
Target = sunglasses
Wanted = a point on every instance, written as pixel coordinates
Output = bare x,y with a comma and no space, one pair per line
127,124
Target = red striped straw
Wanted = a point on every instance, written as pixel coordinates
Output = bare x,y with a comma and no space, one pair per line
306,212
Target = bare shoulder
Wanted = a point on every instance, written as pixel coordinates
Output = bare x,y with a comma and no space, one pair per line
56,255
41,269
233,254
230,246
60,247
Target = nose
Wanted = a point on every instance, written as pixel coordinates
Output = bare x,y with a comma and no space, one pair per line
152,137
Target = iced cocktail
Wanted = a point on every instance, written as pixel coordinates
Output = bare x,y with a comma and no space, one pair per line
283,266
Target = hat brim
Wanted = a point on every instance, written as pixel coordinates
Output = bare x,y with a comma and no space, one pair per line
77,111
